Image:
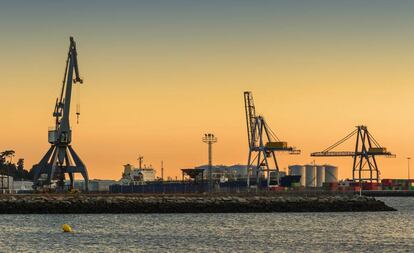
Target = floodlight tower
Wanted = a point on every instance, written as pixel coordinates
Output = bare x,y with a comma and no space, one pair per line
210,139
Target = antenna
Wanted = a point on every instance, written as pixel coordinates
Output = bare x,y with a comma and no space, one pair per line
140,159
162,170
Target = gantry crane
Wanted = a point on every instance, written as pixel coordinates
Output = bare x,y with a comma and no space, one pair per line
263,144
366,149
61,159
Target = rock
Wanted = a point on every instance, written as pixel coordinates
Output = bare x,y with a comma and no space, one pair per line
185,204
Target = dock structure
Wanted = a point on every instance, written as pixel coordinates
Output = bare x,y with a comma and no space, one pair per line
365,167
61,159
263,145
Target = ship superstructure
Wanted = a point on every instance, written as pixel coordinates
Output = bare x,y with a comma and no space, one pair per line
137,175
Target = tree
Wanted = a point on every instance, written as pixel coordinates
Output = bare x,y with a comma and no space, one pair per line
20,164
7,167
20,168
7,154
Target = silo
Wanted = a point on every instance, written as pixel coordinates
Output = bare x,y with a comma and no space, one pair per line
320,175
298,170
331,173
310,175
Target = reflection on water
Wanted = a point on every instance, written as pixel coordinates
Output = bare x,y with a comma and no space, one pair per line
275,232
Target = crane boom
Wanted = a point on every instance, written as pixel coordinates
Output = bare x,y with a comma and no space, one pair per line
63,126
349,153
250,117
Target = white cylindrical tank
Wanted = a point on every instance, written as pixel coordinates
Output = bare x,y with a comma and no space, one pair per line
298,170
331,173
310,175
320,175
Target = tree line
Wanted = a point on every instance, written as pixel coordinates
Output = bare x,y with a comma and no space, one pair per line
15,170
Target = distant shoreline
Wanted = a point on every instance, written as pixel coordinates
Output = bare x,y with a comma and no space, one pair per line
195,203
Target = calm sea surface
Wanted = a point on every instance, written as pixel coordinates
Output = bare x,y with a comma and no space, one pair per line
274,232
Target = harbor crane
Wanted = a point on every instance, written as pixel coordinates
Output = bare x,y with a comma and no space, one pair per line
263,144
61,158
365,167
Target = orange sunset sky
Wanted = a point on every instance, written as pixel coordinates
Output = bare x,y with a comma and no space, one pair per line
159,74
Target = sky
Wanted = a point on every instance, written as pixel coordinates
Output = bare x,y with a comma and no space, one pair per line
159,74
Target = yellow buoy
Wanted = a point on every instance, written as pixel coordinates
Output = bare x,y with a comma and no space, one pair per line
66,228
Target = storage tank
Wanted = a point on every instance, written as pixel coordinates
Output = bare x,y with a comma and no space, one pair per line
320,175
310,175
298,170
331,173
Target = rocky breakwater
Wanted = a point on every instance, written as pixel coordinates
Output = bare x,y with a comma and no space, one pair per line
84,203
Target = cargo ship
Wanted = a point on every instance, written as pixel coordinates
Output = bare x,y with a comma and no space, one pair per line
139,175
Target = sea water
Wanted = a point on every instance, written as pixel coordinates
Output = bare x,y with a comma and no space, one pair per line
229,232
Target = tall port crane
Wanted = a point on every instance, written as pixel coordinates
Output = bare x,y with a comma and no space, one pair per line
263,144
366,149
61,159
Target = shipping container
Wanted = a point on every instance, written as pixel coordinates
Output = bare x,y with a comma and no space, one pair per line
276,145
287,181
377,150
386,182
357,188
330,186
276,188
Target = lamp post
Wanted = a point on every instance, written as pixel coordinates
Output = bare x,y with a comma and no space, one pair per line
408,163
210,139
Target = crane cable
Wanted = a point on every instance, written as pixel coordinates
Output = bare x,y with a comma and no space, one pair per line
374,140
271,132
340,141
77,103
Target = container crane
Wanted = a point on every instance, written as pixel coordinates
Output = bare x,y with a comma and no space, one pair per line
263,144
61,158
366,149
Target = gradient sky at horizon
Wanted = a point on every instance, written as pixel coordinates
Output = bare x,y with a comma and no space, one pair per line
159,74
